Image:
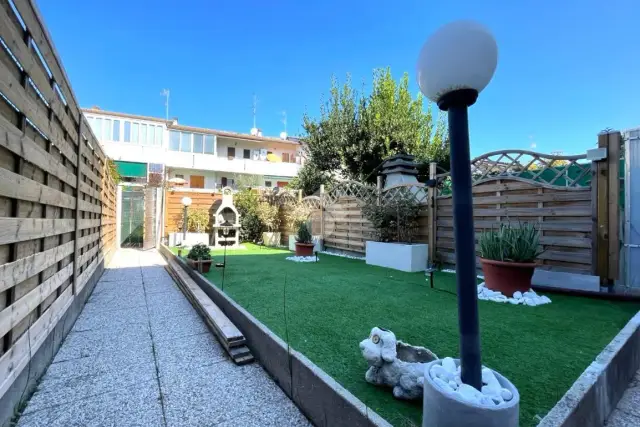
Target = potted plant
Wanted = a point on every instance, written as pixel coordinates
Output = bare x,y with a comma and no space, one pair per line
508,257
269,216
395,223
293,215
304,241
199,257
197,224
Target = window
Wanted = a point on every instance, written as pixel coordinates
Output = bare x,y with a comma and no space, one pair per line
156,167
134,133
158,135
285,157
292,159
246,154
98,128
185,142
231,152
127,131
108,130
151,134
224,181
174,141
179,175
267,183
143,134
198,142
116,130
196,181
209,144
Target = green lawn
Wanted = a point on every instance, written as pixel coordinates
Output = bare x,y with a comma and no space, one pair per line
333,304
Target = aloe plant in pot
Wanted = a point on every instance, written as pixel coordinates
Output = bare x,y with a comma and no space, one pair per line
304,241
508,256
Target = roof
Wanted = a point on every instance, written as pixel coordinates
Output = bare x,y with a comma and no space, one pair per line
170,125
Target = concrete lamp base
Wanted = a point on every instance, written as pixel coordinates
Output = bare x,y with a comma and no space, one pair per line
442,409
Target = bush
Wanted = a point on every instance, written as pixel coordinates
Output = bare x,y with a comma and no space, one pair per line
198,220
199,251
396,220
294,214
304,235
251,228
507,243
269,215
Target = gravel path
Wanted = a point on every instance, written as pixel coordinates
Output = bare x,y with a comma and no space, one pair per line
627,413
139,355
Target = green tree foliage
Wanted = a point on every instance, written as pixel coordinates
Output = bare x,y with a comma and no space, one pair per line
355,133
246,202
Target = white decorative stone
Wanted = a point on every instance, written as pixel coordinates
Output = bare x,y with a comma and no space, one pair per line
530,298
506,394
440,372
361,258
302,258
449,364
453,384
443,385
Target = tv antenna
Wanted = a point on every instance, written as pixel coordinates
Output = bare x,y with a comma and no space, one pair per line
284,119
255,109
165,93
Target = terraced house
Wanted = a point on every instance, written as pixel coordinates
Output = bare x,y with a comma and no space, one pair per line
203,158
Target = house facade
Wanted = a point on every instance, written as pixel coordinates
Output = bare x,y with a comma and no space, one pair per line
204,158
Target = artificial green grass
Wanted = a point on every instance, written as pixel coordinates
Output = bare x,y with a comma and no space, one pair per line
333,304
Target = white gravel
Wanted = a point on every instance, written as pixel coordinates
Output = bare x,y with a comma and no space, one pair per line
447,377
302,258
361,258
525,298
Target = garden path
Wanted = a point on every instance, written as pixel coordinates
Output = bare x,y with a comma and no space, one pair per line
139,355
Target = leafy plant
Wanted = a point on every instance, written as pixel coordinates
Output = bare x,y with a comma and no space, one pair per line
395,220
269,215
509,243
304,235
250,227
197,220
199,251
294,214
112,171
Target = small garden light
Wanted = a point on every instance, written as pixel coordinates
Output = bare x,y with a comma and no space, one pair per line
455,64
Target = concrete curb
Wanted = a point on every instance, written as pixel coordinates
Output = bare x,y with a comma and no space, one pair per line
319,397
597,391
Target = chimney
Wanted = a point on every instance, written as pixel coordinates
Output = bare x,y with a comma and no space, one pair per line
283,135
174,120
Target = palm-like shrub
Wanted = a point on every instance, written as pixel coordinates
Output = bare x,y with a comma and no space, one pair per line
510,243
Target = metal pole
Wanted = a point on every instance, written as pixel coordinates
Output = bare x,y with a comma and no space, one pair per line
465,246
184,225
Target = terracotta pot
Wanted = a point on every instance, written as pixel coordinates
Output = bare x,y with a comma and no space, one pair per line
304,249
507,277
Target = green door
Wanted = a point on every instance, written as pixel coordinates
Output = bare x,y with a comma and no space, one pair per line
132,226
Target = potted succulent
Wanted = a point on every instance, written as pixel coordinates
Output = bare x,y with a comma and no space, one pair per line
199,257
304,241
508,256
269,215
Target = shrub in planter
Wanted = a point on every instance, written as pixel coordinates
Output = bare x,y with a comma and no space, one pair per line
269,215
508,257
395,220
200,255
304,241
197,220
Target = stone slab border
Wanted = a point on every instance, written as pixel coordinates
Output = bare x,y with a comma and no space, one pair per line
319,397
597,391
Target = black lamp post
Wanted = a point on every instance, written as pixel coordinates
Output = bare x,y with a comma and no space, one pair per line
186,202
454,65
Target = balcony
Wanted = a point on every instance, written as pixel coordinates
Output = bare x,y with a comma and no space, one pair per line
256,167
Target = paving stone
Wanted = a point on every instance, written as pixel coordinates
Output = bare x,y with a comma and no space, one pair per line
167,304
171,328
188,352
630,401
133,406
619,418
132,342
124,287
153,271
92,318
111,299
75,379
281,413
160,284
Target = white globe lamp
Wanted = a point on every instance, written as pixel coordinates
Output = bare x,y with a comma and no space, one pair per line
186,201
455,64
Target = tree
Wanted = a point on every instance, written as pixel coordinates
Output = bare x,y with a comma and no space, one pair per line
355,133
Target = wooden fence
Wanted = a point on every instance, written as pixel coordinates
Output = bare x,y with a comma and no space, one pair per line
173,208
57,204
555,192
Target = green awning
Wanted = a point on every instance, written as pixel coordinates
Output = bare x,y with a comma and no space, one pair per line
132,169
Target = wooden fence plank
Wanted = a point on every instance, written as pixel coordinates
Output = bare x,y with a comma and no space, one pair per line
16,186
613,208
12,139
15,272
20,229
15,313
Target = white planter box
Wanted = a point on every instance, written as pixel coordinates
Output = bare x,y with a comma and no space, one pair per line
271,238
192,239
399,256
317,243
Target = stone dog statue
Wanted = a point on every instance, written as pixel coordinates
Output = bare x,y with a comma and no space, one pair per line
395,364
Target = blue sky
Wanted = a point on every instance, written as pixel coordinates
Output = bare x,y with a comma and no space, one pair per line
566,69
